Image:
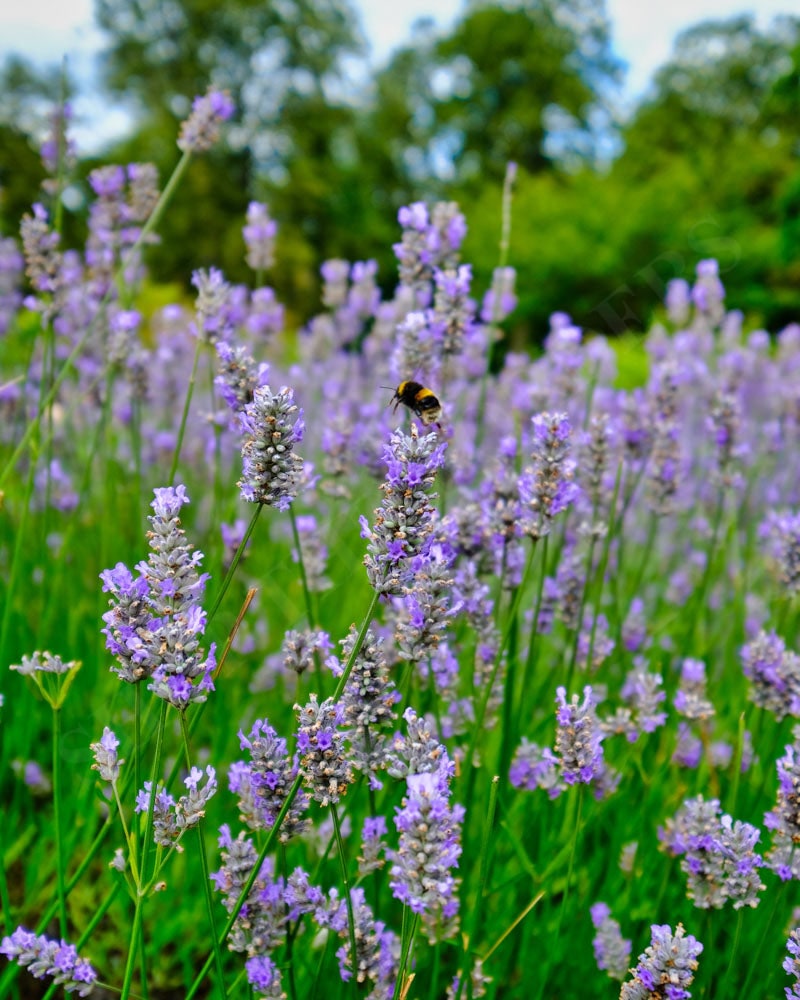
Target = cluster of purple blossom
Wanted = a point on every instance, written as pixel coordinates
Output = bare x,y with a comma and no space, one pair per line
718,855
156,617
45,957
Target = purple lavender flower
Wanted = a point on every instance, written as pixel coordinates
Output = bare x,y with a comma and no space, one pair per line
535,767
666,967
58,151
417,752
170,818
259,237
500,300
634,628
30,771
644,692
262,922
263,784
612,952
689,750
783,820
708,293
724,423
428,242
377,948
426,608
265,317
664,459
579,738
265,977
299,649
372,845
791,964
11,266
202,129
718,855
452,308
320,746
430,845
212,304
404,521
690,698
678,300
43,260
783,531
45,957
596,445
272,471
238,377
547,488
417,348
106,759
774,674
335,274
368,702
594,638
156,619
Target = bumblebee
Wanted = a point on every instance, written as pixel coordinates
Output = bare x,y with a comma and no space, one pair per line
419,399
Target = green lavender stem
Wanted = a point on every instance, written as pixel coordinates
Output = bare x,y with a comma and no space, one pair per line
483,876
410,924
351,922
57,819
133,945
201,850
306,592
235,562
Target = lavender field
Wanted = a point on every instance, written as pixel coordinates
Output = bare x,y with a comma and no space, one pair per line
305,695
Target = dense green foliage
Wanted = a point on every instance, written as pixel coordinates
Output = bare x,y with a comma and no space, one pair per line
705,164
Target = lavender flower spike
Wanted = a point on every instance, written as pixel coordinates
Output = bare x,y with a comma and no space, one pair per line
546,488
430,844
106,760
201,130
784,820
262,785
156,619
666,968
271,470
791,965
320,743
579,738
612,952
45,957
259,237
404,521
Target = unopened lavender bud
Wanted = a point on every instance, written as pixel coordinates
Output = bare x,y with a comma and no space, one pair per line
273,425
320,744
106,761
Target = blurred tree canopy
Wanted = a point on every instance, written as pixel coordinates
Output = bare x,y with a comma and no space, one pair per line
606,209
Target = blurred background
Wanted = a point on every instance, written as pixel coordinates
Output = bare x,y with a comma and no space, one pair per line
348,110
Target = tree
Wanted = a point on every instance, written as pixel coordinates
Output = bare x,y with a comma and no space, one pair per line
524,81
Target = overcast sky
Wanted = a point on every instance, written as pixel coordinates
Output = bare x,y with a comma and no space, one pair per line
642,30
